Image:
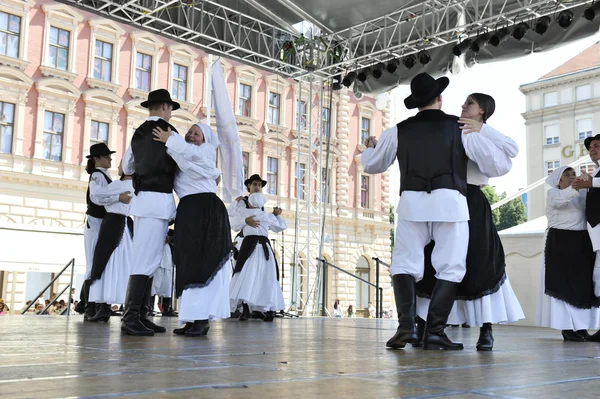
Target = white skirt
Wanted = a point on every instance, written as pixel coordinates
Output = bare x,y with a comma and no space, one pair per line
557,314
162,284
207,303
257,284
90,238
111,288
500,307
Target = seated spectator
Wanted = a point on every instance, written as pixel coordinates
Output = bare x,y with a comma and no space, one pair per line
3,308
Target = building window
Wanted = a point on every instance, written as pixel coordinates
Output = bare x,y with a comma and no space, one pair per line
10,29
550,99
98,133
326,122
143,71
274,108
300,179
583,92
7,113
362,288
584,128
364,191
272,168
301,115
587,168
365,129
551,165
103,55
246,163
245,100
551,133
58,50
54,124
180,82
325,191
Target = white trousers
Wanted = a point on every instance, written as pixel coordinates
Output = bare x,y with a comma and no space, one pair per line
90,238
148,243
449,256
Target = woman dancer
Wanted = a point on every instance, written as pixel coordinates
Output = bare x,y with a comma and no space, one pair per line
99,161
485,296
256,274
112,256
566,298
202,231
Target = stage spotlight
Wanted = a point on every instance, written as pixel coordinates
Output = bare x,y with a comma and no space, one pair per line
590,12
565,18
424,57
520,30
499,37
364,74
461,47
349,79
480,42
409,61
392,66
378,70
542,24
337,83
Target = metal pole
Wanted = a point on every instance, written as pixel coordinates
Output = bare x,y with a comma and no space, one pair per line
71,288
323,268
381,304
377,297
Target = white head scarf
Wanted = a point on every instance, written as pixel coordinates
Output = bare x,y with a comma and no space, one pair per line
257,200
554,179
209,136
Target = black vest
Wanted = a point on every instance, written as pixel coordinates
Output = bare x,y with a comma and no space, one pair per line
431,154
154,169
94,210
592,205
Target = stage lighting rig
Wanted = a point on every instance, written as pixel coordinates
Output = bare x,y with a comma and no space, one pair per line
498,37
590,12
378,70
461,47
409,61
392,66
542,24
364,74
520,30
424,57
349,79
565,19
480,42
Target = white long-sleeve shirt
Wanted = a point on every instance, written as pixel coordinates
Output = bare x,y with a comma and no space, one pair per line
268,221
117,187
500,165
148,204
442,205
565,209
197,171
100,194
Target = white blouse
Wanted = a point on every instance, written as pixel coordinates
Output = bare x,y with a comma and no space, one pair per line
500,164
198,173
99,192
117,187
238,214
565,209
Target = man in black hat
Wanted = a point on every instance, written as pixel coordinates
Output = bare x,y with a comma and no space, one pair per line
591,183
432,206
152,208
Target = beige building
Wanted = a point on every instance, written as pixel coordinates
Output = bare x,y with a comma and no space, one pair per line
562,109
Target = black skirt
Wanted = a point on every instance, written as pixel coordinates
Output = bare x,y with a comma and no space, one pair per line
202,240
569,261
109,237
485,256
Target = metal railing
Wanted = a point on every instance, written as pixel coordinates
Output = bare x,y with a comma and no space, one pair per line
53,300
378,290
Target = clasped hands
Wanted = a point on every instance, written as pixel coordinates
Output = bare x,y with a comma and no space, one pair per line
583,181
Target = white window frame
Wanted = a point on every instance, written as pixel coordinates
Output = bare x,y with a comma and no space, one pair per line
149,44
554,142
365,110
109,32
332,114
310,107
66,18
366,213
581,94
578,130
19,8
279,85
277,175
275,146
588,167
102,106
250,77
15,85
56,95
185,56
550,99
305,177
551,168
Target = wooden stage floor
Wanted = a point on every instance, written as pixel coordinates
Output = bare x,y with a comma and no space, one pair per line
52,357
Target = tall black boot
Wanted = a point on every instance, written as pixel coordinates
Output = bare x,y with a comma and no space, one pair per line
90,307
151,302
486,339
440,305
145,309
199,329
167,310
406,306
80,308
245,313
103,313
130,323
420,332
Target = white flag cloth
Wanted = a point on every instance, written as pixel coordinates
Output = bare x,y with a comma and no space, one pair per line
230,153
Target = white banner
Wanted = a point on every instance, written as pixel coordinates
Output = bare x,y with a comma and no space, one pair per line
232,167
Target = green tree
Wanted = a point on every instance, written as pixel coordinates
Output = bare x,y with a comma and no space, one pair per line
508,215
492,197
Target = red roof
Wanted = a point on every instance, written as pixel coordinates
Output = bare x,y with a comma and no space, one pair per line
588,58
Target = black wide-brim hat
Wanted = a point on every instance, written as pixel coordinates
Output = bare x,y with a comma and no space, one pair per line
423,89
255,178
589,140
99,150
160,96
